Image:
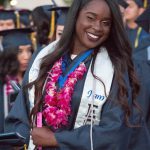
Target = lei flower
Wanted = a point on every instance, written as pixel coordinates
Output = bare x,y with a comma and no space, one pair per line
57,107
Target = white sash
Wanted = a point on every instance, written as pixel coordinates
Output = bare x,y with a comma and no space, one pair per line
34,70
93,96
33,74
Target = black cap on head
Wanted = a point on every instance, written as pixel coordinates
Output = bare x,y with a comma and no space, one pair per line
7,14
25,16
144,20
62,14
16,37
123,3
46,9
139,3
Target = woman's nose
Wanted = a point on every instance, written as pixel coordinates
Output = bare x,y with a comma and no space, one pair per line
26,56
97,26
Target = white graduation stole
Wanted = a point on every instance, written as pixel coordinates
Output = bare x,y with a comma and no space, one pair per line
33,74
93,96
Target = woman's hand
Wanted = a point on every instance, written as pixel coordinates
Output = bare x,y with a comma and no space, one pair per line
43,136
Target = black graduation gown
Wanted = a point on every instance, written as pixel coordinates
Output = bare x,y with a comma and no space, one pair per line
143,71
141,52
1,109
133,34
110,134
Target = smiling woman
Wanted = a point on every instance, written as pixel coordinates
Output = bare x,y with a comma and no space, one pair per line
62,94
93,26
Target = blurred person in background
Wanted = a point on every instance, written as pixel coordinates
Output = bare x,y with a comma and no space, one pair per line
25,19
42,25
14,62
60,20
138,37
132,12
7,19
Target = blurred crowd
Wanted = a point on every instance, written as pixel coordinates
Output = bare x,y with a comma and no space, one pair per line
24,32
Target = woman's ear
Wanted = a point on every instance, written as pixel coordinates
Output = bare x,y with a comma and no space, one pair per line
141,10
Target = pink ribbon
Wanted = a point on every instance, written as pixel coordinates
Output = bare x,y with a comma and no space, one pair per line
39,124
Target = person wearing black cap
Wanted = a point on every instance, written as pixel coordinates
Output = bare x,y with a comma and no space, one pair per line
24,16
7,19
42,27
132,12
87,108
60,19
17,51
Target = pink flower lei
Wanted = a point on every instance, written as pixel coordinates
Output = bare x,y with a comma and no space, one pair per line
57,107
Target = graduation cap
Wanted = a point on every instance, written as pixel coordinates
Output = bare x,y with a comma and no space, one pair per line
7,14
46,9
139,3
123,3
144,20
25,17
62,14
62,3
16,37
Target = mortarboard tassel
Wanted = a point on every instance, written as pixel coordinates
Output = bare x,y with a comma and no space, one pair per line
52,25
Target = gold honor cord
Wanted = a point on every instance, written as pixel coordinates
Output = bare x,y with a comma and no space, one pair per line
17,19
52,25
145,3
25,146
137,37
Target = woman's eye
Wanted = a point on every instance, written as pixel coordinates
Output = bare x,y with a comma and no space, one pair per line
106,23
90,18
19,51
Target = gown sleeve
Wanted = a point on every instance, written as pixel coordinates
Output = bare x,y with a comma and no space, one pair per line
18,119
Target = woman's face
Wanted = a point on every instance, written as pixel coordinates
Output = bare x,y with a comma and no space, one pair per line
93,25
24,55
59,31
